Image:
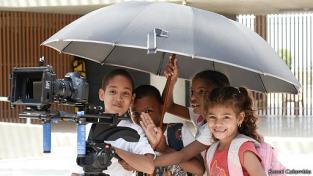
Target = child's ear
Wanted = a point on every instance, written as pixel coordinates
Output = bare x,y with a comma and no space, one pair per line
101,94
133,99
241,117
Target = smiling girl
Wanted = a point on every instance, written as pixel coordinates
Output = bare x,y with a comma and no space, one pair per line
231,119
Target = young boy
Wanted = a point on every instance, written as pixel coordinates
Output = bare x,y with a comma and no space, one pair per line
117,95
148,104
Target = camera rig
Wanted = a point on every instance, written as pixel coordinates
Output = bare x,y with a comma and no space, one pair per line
93,154
37,88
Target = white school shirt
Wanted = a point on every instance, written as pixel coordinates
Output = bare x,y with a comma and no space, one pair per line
141,147
203,133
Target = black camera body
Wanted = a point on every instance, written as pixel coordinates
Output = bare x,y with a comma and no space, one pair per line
37,87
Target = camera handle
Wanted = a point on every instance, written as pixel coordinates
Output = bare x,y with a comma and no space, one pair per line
46,126
81,135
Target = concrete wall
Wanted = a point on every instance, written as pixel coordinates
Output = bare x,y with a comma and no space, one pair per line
179,94
23,140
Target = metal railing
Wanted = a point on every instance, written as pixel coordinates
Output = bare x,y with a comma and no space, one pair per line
290,34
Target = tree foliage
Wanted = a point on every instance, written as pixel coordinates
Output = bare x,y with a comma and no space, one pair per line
285,54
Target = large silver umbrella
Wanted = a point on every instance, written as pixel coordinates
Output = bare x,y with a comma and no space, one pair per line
122,34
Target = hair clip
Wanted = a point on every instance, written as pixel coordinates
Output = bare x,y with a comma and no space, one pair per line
239,91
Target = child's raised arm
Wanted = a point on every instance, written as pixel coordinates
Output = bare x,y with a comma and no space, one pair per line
158,141
153,133
172,70
183,155
194,165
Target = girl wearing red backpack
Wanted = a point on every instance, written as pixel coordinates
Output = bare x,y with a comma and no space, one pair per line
232,122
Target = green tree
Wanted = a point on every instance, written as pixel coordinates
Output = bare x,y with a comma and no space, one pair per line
285,54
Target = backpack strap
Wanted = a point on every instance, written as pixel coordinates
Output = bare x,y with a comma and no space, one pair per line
233,161
209,156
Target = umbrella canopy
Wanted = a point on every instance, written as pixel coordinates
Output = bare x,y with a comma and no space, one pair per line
122,34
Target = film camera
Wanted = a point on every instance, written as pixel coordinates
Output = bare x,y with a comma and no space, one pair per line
37,88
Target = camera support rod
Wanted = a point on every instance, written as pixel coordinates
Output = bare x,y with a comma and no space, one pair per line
50,116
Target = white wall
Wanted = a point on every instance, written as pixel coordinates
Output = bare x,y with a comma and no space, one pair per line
179,94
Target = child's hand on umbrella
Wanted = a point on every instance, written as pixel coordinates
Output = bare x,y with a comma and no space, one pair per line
172,69
152,132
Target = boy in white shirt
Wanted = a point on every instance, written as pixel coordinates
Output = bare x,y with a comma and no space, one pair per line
117,95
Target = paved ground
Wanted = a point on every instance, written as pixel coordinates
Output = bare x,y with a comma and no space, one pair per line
293,138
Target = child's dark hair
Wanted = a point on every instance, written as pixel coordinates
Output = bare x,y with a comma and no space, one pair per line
215,78
148,90
120,72
241,101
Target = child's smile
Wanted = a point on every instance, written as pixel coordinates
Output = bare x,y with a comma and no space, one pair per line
223,122
199,89
117,96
